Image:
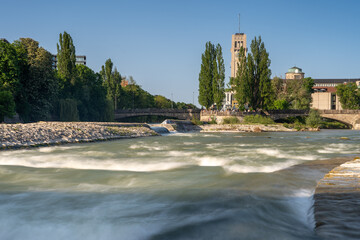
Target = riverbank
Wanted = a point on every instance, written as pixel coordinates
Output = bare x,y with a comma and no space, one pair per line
52,133
245,128
337,202
188,126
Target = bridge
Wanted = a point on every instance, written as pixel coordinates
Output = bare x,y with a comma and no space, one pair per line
349,117
182,114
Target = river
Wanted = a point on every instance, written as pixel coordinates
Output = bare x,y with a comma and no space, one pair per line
179,186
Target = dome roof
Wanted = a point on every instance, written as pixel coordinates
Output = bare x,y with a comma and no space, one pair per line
295,70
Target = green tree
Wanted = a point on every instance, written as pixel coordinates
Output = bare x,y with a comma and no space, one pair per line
278,86
298,92
135,97
259,74
206,76
66,59
281,104
91,95
7,104
68,110
111,81
314,119
9,68
218,85
252,83
240,84
39,85
162,102
349,95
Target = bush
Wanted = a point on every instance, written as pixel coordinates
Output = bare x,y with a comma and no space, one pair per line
258,119
281,104
196,121
314,119
7,105
213,120
231,120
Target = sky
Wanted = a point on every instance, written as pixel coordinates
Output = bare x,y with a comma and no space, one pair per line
160,43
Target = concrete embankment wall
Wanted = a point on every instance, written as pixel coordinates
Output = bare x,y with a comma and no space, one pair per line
337,202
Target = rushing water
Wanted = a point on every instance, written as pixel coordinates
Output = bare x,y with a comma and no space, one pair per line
180,186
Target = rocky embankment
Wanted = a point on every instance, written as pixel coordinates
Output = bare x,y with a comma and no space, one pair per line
50,133
245,128
337,202
187,126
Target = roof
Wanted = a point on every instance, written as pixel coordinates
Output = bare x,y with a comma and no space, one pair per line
295,70
336,80
324,89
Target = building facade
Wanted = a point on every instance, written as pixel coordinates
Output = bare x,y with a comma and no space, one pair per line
238,41
80,60
324,96
294,73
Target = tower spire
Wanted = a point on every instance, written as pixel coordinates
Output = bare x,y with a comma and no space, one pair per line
239,22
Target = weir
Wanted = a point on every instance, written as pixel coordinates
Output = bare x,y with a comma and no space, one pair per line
349,117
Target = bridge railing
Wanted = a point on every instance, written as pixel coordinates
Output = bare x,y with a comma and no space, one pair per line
228,113
244,113
345,111
156,110
289,111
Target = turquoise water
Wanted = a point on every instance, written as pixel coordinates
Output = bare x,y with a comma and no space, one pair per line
179,186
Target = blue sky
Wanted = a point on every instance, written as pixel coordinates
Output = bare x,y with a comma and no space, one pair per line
160,43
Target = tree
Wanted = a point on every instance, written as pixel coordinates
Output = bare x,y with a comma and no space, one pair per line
39,85
252,82
281,104
9,67
314,119
66,59
349,95
298,92
162,102
206,76
91,95
68,110
219,77
259,73
7,104
240,84
111,81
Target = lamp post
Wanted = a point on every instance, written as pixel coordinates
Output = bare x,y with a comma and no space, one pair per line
171,100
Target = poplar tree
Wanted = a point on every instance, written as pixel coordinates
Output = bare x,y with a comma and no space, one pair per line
239,84
253,83
206,76
111,81
66,58
218,82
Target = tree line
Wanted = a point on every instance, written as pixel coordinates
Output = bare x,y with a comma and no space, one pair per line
33,88
252,86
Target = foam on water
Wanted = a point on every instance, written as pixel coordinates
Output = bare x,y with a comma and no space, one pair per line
237,168
73,162
280,154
